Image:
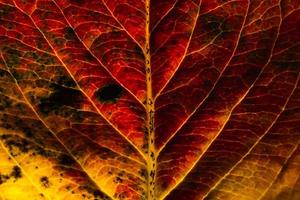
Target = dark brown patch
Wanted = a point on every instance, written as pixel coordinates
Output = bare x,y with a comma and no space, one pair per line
16,172
61,96
45,181
66,160
69,33
3,178
110,93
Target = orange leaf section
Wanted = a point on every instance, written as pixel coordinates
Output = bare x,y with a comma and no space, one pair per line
149,100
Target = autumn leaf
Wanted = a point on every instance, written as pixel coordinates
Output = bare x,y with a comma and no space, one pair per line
149,100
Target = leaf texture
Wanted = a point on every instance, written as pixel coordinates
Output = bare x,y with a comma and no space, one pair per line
150,99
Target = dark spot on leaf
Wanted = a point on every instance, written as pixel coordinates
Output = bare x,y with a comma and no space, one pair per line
16,172
45,181
120,174
43,152
88,56
10,26
69,33
21,144
66,160
3,73
28,133
109,93
3,178
207,84
118,180
152,173
98,194
5,10
152,155
143,172
61,96
66,81
139,52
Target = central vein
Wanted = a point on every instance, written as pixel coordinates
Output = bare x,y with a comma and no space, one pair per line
151,158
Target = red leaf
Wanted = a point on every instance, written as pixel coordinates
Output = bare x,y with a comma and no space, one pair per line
132,99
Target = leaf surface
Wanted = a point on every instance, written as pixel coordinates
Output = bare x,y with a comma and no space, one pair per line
132,99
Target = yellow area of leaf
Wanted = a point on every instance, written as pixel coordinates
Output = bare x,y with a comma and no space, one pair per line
111,174
287,185
15,189
39,178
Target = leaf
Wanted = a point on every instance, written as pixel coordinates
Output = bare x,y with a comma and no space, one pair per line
132,99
